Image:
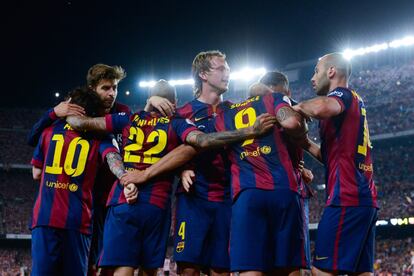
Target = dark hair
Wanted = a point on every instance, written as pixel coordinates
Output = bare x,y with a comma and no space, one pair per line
88,99
275,78
201,63
100,72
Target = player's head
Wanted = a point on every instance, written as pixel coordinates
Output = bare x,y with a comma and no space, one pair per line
104,79
163,89
331,69
89,100
276,81
210,69
259,89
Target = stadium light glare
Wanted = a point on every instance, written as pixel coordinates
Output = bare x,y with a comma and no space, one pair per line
127,93
57,94
404,42
246,74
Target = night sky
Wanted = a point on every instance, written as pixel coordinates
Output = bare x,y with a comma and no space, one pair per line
49,45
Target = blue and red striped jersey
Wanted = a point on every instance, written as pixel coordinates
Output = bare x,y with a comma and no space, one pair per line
261,163
146,137
212,179
68,160
346,153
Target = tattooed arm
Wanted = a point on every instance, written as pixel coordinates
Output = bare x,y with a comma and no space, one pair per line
319,108
292,122
87,123
115,164
202,140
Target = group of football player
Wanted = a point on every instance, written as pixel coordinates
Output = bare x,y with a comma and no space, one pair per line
106,177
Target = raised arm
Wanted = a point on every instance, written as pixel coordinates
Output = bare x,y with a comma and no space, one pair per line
87,123
321,107
62,110
292,122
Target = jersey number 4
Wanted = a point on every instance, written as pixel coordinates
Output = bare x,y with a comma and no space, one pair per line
137,135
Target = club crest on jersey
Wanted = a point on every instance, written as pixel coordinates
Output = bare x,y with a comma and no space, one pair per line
255,153
180,247
336,93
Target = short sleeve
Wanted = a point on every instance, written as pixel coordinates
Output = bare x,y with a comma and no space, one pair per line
108,145
280,101
183,127
343,96
38,154
116,122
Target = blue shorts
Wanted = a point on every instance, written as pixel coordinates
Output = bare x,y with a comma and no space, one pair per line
345,239
99,213
135,235
266,231
59,251
202,230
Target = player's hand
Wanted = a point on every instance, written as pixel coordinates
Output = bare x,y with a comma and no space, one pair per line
131,193
65,109
307,175
264,123
135,176
164,106
187,177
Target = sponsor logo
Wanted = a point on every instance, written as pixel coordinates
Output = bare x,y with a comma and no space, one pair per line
321,258
365,167
67,127
199,119
180,247
60,185
336,93
255,153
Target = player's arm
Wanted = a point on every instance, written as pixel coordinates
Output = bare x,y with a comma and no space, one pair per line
87,123
115,164
321,107
60,111
164,106
37,173
171,161
313,148
292,122
202,140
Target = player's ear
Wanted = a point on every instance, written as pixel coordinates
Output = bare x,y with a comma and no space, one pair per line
203,75
331,72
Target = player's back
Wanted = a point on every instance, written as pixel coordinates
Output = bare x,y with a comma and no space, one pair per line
146,138
264,162
346,151
211,178
69,163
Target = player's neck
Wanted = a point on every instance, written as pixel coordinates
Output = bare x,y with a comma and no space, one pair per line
338,83
210,97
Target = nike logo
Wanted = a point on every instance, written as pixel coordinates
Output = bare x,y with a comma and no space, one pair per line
321,258
199,119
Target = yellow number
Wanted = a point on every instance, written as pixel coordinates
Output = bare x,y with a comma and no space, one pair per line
70,156
362,149
181,230
68,167
137,134
245,118
56,168
159,147
139,141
